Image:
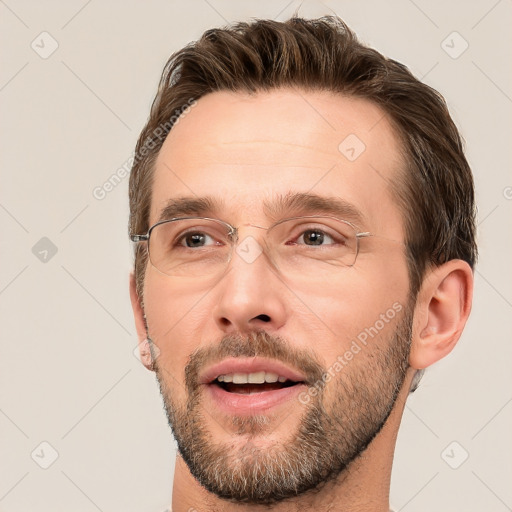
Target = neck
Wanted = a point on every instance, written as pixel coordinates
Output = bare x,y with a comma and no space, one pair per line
363,486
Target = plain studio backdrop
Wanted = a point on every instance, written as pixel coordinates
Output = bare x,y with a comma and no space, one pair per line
82,426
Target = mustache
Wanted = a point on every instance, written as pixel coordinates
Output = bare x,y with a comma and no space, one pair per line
254,344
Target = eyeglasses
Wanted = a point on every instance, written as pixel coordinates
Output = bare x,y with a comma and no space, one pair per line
200,246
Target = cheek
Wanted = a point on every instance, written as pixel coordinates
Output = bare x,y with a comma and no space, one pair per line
362,304
174,316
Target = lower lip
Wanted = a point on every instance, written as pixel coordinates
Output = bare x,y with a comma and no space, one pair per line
256,403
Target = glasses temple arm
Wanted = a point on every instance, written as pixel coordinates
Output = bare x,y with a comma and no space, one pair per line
139,238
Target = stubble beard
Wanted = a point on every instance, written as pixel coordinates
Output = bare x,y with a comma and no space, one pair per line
330,434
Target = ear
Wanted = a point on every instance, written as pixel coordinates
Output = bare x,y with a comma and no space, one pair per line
442,309
140,326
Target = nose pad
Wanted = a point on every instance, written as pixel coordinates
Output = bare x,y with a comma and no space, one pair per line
249,248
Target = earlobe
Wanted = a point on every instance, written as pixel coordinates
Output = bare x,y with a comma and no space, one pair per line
140,325
442,309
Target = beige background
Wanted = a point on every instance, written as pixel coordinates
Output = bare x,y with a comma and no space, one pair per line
68,374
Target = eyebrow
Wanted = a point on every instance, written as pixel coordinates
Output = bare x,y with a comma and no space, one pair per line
301,203
282,206
189,206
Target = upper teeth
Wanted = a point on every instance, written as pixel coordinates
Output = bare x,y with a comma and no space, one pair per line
251,378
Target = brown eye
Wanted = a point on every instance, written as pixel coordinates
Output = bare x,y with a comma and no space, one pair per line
195,239
311,237
315,237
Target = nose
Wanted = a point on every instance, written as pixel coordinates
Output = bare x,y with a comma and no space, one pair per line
251,295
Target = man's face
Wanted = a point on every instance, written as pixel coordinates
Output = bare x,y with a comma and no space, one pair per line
339,338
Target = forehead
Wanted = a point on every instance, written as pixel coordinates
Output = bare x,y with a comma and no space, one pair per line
245,151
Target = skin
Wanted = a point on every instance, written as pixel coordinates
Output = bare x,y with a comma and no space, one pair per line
291,145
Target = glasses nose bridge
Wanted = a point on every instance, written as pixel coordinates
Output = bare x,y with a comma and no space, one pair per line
248,246
237,233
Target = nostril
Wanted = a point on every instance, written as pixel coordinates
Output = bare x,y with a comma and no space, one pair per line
264,318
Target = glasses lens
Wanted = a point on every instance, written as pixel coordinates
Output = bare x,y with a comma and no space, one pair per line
304,247
190,247
313,246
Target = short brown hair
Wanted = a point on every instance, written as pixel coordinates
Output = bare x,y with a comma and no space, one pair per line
435,191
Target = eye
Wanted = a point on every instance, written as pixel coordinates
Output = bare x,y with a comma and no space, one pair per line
315,237
196,239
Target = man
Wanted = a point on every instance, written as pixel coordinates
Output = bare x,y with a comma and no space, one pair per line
304,223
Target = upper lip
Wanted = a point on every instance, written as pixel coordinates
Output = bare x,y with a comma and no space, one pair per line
249,365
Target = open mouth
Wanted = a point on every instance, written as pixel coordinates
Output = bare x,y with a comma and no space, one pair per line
252,383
